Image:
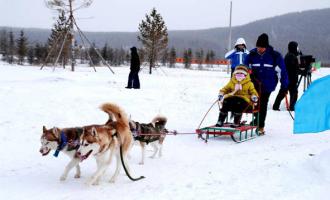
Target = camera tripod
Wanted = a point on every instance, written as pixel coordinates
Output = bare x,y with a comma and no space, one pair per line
307,79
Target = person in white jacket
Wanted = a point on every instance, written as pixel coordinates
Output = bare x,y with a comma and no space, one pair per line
238,54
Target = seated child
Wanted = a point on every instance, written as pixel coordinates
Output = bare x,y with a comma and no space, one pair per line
237,96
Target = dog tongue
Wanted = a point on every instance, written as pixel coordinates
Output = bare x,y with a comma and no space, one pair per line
83,157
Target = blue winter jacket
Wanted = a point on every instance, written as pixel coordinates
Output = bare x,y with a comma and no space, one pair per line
236,57
268,68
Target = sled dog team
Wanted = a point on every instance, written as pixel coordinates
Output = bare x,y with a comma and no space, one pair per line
103,142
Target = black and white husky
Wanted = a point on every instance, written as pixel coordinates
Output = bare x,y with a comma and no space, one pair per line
153,133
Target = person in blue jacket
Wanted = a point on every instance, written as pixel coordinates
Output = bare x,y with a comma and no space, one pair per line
267,67
238,54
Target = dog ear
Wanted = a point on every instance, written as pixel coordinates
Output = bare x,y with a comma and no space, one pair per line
44,129
94,132
56,132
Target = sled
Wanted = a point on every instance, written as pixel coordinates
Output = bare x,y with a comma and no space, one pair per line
238,134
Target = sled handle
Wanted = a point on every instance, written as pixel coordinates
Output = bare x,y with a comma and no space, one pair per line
207,113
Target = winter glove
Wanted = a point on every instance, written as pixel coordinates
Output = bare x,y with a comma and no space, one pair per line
220,97
254,98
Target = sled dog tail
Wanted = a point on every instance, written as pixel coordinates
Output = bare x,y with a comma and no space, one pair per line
124,133
159,120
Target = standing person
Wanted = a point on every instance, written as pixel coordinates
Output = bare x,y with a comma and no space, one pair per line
237,96
267,67
292,67
238,54
133,77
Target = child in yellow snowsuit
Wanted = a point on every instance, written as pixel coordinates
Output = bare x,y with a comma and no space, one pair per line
238,95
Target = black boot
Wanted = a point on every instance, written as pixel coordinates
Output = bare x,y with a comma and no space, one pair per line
280,96
237,119
221,119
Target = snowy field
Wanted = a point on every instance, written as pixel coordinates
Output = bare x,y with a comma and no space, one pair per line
279,165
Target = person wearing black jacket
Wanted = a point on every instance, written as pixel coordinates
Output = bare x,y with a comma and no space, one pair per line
133,77
292,67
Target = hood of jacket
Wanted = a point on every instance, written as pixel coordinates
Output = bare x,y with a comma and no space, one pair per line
293,47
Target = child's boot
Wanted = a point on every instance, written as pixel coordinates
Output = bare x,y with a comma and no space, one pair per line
237,119
221,119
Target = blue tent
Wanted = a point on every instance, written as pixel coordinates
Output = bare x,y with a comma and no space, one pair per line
312,111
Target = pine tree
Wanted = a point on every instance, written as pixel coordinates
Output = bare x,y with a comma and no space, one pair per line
172,57
142,56
187,58
21,47
105,52
40,53
55,41
199,54
165,57
154,37
95,58
11,48
209,58
4,44
30,55
110,56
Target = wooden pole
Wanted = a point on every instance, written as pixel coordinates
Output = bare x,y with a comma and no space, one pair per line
229,37
72,37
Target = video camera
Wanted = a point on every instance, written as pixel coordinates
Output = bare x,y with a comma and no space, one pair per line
305,66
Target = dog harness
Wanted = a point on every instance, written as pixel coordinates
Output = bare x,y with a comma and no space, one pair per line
146,132
61,145
72,144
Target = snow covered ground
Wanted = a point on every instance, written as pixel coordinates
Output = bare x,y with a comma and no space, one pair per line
279,165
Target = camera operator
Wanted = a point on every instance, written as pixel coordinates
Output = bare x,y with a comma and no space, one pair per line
292,66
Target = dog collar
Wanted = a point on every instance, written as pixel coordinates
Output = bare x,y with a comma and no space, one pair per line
63,141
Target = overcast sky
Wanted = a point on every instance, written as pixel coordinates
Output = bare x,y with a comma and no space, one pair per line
125,15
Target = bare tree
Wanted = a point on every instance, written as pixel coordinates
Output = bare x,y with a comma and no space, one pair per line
67,5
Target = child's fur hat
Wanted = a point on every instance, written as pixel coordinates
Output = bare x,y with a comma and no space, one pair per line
241,69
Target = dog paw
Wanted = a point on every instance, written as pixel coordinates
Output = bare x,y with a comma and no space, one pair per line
77,176
62,178
141,163
153,156
90,182
96,183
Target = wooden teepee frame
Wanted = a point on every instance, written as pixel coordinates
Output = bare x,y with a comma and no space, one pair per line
70,26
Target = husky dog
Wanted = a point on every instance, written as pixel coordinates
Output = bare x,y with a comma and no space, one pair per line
101,142
104,141
153,133
65,140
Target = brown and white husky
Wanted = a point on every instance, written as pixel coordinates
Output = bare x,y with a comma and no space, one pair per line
105,141
65,140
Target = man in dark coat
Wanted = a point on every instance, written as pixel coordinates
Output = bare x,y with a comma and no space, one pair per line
267,68
133,77
292,67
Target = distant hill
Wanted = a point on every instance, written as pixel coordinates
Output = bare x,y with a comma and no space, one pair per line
311,29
